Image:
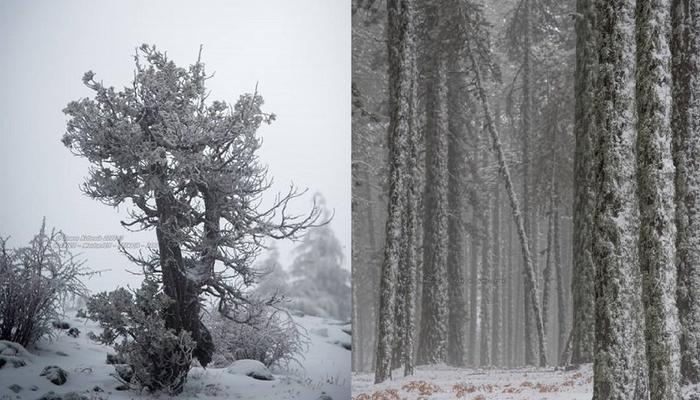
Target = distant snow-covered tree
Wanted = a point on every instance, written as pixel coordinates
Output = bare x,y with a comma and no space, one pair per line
274,279
319,282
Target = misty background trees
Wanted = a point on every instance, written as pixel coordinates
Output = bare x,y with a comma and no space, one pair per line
520,59
553,164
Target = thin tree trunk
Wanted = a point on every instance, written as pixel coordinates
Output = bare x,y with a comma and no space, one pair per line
584,194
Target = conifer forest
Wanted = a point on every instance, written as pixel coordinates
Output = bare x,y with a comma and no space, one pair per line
525,193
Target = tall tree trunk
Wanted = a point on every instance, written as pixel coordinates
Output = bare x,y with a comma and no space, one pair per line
433,339
473,293
529,273
485,278
620,371
497,314
455,257
525,114
401,90
686,152
561,298
584,194
657,232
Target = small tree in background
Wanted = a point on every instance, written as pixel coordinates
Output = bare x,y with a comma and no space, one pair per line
35,281
190,170
320,286
274,280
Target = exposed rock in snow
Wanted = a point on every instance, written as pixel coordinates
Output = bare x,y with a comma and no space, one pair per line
324,396
55,374
74,332
124,371
15,388
60,324
252,368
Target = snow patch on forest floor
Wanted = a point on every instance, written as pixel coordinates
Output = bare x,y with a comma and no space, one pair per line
325,368
438,382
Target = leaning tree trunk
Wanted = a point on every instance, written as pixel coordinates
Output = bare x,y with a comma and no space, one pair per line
620,371
584,195
657,232
529,273
686,153
400,50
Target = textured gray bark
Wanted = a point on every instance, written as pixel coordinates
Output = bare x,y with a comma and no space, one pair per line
433,336
584,194
620,370
401,90
686,153
657,231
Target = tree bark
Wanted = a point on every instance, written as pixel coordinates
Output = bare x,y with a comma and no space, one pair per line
584,194
685,45
657,232
619,369
400,50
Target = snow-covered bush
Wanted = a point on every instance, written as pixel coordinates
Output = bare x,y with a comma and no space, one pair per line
134,325
35,281
270,336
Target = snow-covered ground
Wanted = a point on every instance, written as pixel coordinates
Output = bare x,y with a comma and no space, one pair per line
326,368
443,382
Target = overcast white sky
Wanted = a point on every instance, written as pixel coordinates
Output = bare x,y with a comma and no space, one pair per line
298,51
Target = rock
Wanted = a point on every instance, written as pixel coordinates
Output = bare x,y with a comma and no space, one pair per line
252,368
2,362
60,324
125,372
97,389
34,388
343,344
74,332
56,375
60,353
50,396
75,396
324,396
15,388
122,387
113,359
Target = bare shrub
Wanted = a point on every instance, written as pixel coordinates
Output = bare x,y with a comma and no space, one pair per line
35,281
270,336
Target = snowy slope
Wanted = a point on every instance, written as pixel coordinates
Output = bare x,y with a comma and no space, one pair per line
443,382
326,368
